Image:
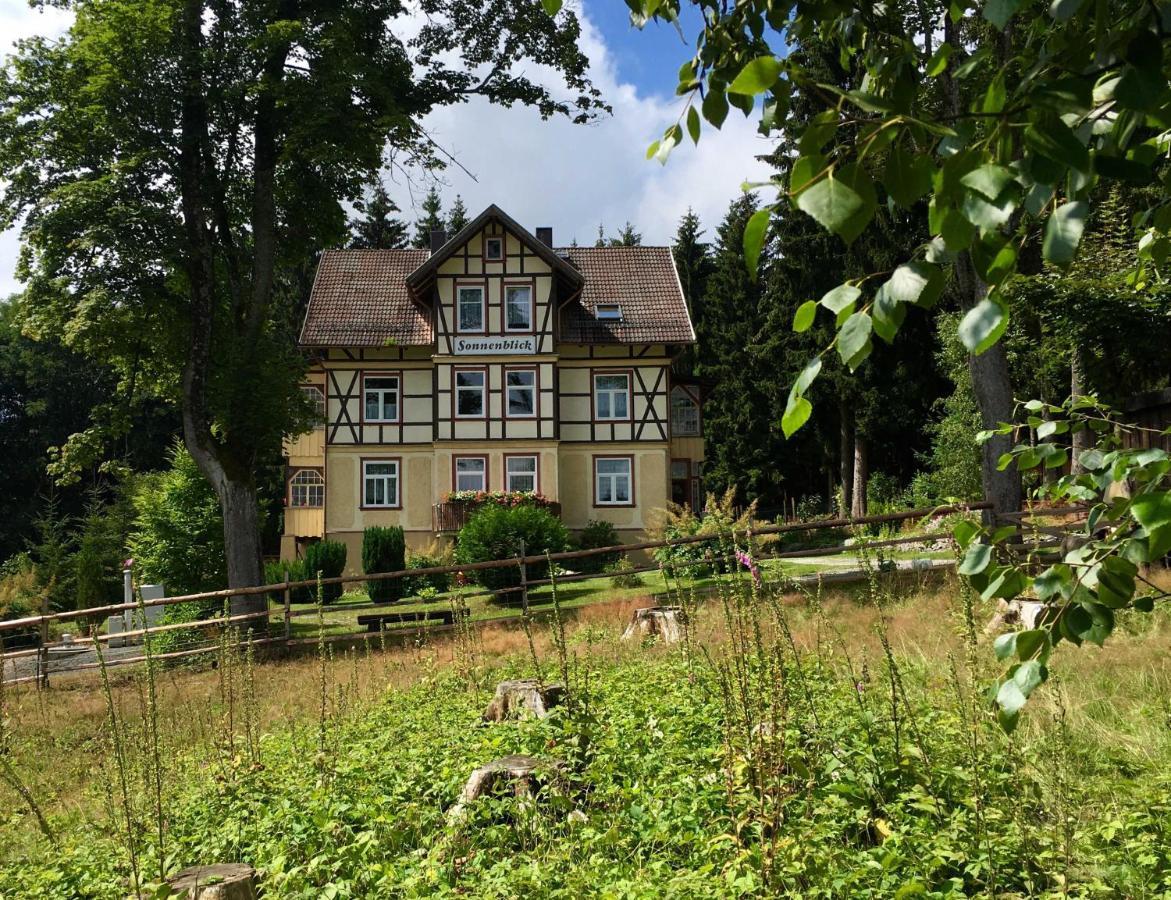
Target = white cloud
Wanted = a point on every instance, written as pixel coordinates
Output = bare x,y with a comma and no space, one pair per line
571,177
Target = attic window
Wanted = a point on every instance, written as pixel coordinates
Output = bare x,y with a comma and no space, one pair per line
608,312
494,248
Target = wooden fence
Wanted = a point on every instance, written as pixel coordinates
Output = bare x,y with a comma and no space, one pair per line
285,613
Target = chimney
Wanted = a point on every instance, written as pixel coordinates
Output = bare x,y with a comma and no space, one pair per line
438,238
545,236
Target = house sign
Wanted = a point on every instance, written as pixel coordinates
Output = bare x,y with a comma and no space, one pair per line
494,346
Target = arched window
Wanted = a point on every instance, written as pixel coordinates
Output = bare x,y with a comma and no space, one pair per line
684,412
306,488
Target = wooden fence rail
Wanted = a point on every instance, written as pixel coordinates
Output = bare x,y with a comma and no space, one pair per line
283,590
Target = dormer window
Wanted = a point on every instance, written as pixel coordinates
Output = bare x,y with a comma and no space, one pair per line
608,312
494,249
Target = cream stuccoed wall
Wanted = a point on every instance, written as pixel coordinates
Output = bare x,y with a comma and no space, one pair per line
545,451
577,484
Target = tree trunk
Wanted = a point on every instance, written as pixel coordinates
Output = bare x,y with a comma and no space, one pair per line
1081,440
861,477
846,458
993,389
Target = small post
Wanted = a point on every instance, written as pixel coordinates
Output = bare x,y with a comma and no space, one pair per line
288,597
43,651
524,581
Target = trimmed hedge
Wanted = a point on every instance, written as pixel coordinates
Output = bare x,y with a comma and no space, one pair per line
384,550
328,558
497,532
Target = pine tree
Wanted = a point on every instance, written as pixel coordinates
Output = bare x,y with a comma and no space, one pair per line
627,237
378,228
694,266
457,218
431,220
601,241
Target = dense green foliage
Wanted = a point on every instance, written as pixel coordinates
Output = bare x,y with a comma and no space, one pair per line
326,559
384,550
439,583
920,799
178,538
503,532
597,534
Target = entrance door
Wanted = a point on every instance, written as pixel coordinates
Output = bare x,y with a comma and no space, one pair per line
681,483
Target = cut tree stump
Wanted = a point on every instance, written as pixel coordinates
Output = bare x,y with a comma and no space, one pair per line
1026,613
523,774
664,622
526,696
225,881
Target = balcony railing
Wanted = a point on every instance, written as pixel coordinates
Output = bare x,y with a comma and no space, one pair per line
452,515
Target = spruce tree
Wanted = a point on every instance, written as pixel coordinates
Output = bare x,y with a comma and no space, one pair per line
378,228
457,218
693,265
431,220
627,237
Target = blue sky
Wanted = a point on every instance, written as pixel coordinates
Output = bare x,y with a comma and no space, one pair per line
554,173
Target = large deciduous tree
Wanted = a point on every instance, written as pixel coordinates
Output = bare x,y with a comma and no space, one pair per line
177,162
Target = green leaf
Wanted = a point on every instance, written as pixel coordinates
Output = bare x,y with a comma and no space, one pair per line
983,325
1054,140
916,282
907,176
1029,675
998,12
840,297
796,414
693,125
987,215
808,375
976,559
803,318
938,62
1116,582
854,340
1005,645
754,235
964,531
1063,10
1010,698
1052,582
757,76
1152,510
1063,232
552,7
990,180
1030,643
888,314
843,202
715,106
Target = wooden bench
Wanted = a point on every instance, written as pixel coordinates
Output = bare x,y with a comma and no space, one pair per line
376,621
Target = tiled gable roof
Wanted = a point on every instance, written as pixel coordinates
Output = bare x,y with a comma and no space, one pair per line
643,282
360,299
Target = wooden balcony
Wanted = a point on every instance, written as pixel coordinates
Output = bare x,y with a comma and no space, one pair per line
452,515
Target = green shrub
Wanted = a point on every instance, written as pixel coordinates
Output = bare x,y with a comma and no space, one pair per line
274,573
328,558
497,532
622,574
384,550
596,534
430,558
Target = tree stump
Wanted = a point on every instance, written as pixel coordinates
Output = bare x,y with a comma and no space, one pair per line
664,622
1027,613
523,774
226,881
526,696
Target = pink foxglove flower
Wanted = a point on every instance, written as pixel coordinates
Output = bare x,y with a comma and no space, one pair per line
746,560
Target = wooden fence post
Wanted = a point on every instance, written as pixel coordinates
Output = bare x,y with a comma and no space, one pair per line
288,592
524,580
43,651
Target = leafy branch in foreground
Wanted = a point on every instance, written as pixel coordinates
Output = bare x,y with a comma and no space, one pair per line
1003,119
1100,571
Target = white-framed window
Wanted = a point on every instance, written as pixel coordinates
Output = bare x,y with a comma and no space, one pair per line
608,312
380,398
520,474
469,300
307,488
470,393
518,307
612,396
520,393
316,396
613,481
684,413
471,473
380,483
494,248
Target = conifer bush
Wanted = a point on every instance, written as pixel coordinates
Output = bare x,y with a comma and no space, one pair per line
328,558
384,549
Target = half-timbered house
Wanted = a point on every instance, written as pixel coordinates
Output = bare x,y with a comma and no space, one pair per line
493,361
